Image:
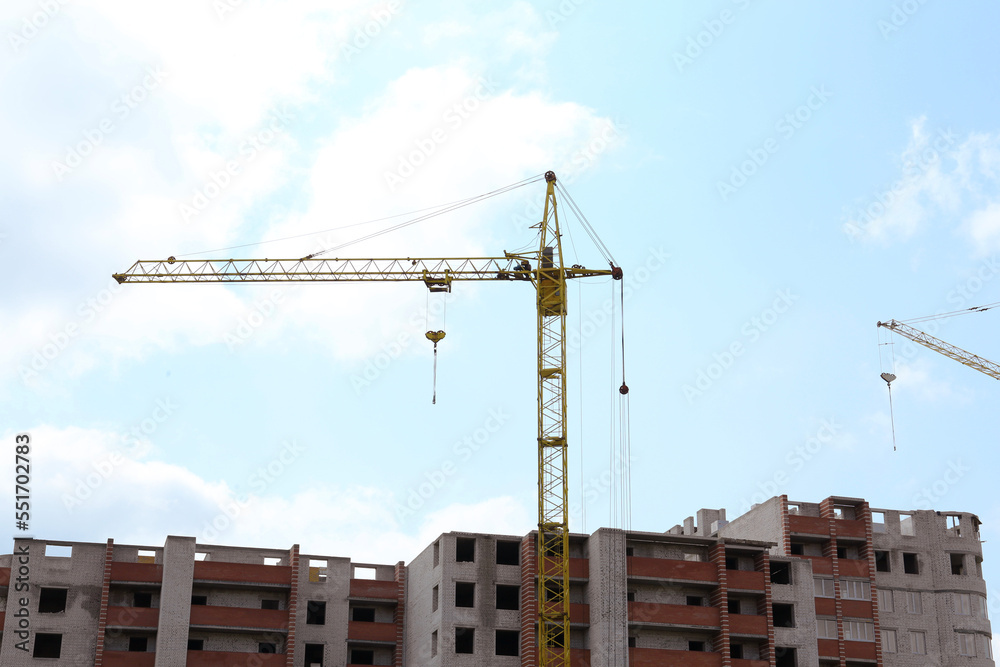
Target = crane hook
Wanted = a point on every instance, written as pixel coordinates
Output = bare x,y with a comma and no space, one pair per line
435,337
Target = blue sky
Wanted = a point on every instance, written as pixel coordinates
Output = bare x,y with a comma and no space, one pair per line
773,179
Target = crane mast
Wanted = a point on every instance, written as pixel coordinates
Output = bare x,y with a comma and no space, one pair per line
550,279
947,349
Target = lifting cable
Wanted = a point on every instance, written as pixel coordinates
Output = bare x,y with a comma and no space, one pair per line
447,208
888,376
591,232
953,313
435,210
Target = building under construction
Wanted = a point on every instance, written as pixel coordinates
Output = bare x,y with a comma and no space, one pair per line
833,583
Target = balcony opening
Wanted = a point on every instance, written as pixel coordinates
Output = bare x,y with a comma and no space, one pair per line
363,614
910,565
314,655
318,570
138,644
47,645
694,601
267,647
696,646
58,551
797,548
882,563
784,657
196,644
508,597
199,600
269,604
781,573
953,523
465,549
52,600
508,642
783,614
734,606
316,612
268,560
361,656
508,553
843,512
631,642
906,525
465,594
957,563
146,556
878,522
200,555
465,640
629,551
736,651
369,573
630,596
732,563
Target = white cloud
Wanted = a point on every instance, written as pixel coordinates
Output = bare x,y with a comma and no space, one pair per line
942,177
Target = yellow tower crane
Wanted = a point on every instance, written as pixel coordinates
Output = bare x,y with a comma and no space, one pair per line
947,349
546,272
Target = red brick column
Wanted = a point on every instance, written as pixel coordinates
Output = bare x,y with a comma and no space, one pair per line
762,563
102,617
529,603
720,599
399,614
866,515
826,511
293,606
785,548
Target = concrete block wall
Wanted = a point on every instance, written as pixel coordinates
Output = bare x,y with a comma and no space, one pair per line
81,574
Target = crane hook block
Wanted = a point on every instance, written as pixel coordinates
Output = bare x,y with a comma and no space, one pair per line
623,389
434,336
888,377
617,273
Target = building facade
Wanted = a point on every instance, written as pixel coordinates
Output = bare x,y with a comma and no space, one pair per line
786,584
